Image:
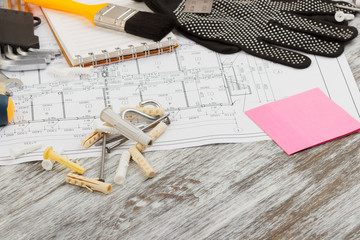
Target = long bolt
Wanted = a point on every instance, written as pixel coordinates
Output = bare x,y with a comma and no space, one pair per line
102,162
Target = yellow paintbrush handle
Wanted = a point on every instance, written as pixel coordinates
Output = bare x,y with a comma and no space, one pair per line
85,10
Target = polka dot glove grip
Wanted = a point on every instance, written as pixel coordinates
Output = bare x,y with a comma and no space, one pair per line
269,29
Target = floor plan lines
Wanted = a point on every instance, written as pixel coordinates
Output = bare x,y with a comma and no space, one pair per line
205,92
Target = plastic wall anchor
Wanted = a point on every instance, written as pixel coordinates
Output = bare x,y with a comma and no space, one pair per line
143,128
100,126
89,183
91,139
155,112
48,164
125,128
68,73
340,16
349,17
151,111
50,154
120,174
142,162
155,133
16,152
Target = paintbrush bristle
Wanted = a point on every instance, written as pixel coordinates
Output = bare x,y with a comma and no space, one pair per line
149,25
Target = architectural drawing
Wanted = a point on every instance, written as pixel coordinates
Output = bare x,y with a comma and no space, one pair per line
205,92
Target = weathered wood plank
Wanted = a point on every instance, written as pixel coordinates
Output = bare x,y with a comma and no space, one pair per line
224,191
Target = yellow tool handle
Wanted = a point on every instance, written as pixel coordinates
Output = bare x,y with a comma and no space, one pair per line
85,10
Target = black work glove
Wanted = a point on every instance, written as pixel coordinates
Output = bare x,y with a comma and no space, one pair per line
256,26
167,8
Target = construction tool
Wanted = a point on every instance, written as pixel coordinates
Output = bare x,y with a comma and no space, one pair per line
19,46
115,17
6,110
7,106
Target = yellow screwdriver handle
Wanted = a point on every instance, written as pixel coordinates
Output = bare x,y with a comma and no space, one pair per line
69,6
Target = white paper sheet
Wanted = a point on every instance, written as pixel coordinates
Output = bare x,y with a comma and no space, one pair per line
79,36
205,92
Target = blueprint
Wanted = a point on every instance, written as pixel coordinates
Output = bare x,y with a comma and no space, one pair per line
206,94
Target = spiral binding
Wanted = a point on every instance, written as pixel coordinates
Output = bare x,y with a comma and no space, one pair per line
107,56
160,50
93,59
171,45
146,49
81,61
120,56
133,52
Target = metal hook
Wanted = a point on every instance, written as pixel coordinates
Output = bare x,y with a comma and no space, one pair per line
149,102
136,112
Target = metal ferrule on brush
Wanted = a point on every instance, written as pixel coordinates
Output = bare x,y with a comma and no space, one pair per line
114,17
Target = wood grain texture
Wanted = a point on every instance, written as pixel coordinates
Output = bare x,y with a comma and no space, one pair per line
224,191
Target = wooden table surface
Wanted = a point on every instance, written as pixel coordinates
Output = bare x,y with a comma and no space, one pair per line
224,191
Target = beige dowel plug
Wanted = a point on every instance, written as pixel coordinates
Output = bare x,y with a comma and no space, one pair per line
89,183
142,162
155,112
91,139
155,133
151,111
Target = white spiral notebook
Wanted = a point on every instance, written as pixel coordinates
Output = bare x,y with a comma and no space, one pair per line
85,44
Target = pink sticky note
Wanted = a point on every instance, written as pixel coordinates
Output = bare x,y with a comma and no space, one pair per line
303,120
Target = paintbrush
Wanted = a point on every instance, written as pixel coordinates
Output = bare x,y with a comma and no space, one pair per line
112,16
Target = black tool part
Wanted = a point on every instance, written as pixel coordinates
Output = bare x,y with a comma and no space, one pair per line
4,101
149,25
17,29
37,21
